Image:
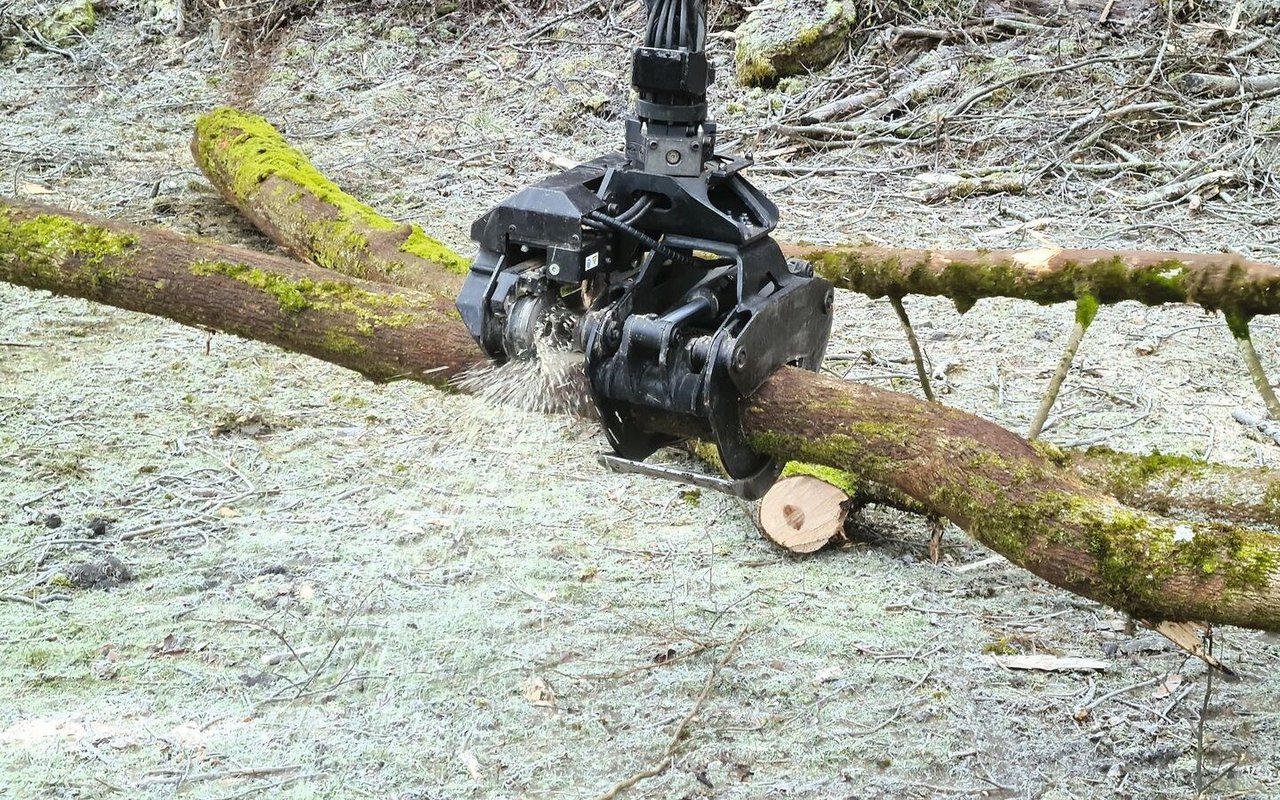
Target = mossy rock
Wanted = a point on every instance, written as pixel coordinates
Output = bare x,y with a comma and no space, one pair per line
68,23
781,39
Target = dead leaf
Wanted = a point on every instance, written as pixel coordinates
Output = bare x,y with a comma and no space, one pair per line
828,675
33,188
539,693
171,646
1171,683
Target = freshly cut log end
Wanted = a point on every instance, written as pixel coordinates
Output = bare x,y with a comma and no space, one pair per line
803,513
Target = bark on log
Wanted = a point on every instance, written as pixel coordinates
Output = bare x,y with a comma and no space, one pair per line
1179,485
1171,485
1175,486
1004,493
382,332
987,480
1214,281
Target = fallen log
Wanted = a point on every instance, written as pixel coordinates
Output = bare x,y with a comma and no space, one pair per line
1001,491
383,332
284,196
996,486
1171,485
1218,281
1166,484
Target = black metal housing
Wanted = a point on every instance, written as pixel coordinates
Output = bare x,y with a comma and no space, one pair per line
693,305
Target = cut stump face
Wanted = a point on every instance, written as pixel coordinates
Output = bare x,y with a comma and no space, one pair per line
802,513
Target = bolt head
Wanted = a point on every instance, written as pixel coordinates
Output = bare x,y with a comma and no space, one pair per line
674,157
740,360
553,270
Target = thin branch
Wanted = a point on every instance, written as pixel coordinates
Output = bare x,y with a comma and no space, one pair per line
1239,326
916,352
1086,310
668,756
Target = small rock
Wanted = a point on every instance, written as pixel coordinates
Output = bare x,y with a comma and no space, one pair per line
53,521
68,23
781,39
98,526
105,573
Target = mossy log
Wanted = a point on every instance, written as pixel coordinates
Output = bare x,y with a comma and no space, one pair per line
384,333
286,198
1235,285
1179,485
1165,484
1010,497
1007,494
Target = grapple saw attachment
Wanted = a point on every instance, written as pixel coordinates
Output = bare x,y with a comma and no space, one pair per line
659,266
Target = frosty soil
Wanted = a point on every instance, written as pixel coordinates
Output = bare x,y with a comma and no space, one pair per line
348,590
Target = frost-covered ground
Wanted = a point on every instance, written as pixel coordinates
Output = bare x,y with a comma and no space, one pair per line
341,590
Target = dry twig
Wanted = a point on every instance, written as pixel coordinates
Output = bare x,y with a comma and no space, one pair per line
668,755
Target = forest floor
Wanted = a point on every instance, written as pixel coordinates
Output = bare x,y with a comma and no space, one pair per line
230,572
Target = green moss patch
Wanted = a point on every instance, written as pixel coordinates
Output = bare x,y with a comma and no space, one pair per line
837,478
779,40
68,23
296,295
41,244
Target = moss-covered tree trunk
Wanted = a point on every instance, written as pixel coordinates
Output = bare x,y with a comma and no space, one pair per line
380,331
1006,494
987,480
1046,275
286,198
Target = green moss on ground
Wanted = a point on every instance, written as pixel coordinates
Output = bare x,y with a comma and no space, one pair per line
68,23
255,151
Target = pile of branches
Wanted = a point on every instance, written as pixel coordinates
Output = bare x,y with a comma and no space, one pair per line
1119,101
